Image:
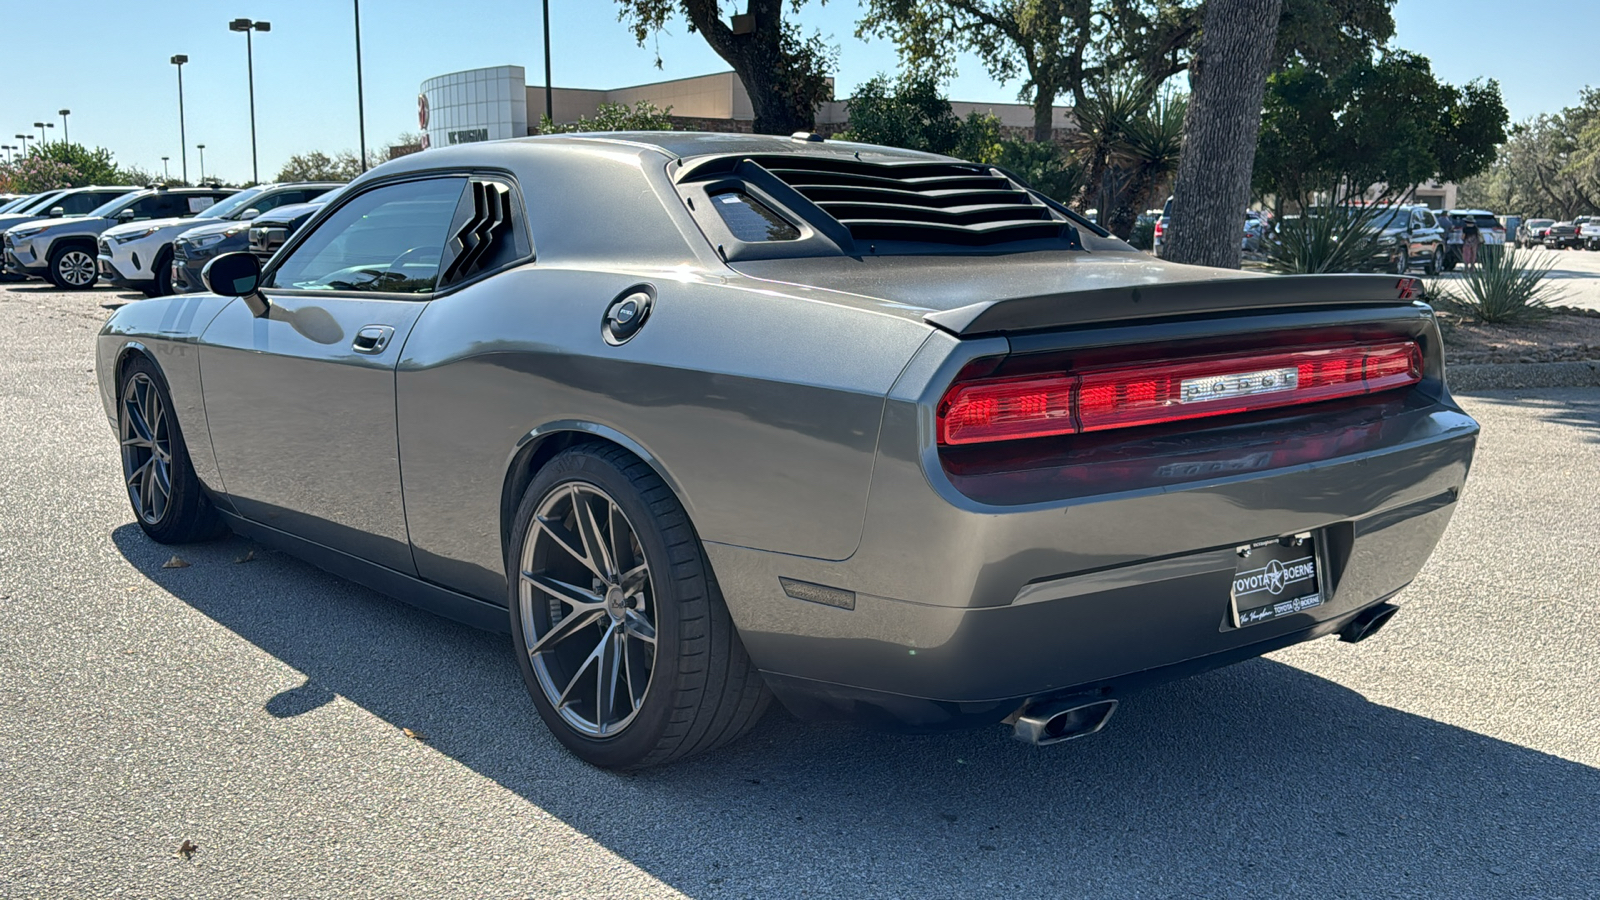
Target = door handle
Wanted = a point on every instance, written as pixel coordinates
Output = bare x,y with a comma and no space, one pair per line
372,339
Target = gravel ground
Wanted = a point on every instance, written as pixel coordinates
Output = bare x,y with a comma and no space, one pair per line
258,710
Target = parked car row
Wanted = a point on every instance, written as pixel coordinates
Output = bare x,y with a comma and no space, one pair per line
126,235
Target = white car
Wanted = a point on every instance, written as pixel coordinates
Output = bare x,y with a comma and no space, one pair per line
138,255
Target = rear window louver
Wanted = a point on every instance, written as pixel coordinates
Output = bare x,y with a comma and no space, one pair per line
925,202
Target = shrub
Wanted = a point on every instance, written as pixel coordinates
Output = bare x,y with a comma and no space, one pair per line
1340,239
642,116
1045,166
1508,285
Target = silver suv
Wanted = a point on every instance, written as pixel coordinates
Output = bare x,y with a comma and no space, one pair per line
63,250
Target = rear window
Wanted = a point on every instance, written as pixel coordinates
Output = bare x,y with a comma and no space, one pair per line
750,220
1487,222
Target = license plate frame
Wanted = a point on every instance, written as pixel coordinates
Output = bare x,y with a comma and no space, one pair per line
1276,578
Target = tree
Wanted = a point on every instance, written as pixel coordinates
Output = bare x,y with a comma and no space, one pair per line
1048,42
785,74
642,116
33,174
1129,140
1224,117
319,166
909,113
1548,166
1384,122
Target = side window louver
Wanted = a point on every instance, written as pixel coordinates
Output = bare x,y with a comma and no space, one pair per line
475,240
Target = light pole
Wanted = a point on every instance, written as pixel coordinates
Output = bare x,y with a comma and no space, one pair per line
202,149
183,141
549,104
42,126
64,113
7,149
247,26
361,103
25,138
166,173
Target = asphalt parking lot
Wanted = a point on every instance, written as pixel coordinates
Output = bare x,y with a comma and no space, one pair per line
257,707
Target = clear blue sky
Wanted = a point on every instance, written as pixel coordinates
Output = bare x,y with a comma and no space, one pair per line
110,64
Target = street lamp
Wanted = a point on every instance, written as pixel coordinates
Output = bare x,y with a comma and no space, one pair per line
202,149
247,26
63,114
42,126
361,103
166,173
7,149
183,142
549,105
25,138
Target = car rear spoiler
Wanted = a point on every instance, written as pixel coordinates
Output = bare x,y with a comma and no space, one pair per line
1164,299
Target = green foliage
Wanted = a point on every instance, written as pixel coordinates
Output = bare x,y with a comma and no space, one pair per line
912,114
1130,140
319,166
1506,286
93,166
1385,121
1339,239
1143,236
1548,167
642,116
1046,166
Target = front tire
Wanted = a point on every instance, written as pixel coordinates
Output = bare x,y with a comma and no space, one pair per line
620,631
1435,263
72,268
1402,265
168,501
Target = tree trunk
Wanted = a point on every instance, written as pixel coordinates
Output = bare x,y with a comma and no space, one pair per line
1044,115
778,95
1228,79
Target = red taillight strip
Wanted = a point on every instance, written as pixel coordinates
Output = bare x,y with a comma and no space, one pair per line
1128,396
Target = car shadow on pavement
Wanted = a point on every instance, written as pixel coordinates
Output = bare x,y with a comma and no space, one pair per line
1576,407
1256,780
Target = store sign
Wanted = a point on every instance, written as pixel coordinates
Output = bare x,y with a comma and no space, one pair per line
422,111
469,136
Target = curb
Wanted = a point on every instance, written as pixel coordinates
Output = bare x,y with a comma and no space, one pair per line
1490,376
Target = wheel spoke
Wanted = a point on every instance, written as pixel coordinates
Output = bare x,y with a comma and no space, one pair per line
594,543
554,530
564,629
634,579
605,704
593,657
570,594
138,474
638,626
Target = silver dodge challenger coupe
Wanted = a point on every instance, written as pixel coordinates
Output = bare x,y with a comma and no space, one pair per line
707,419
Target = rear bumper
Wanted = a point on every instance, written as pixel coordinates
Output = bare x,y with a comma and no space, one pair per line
965,610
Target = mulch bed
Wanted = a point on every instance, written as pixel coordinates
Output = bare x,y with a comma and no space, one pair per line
1567,334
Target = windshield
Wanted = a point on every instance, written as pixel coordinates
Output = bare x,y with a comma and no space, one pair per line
37,202
1541,223
222,209
1389,218
109,209
14,201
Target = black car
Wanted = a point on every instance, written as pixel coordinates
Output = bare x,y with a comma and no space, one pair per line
198,246
1409,237
1562,236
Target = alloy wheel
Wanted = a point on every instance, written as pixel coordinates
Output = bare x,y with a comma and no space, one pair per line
76,268
146,435
588,609
1403,264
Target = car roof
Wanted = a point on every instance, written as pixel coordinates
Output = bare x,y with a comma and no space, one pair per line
1470,212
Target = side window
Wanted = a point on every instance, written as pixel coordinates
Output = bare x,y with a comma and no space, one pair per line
486,232
78,204
389,239
273,201
1425,219
160,206
750,220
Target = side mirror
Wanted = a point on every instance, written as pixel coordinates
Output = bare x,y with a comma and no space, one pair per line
249,214
126,215
57,212
237,275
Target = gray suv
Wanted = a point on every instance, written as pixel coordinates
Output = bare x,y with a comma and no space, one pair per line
63,250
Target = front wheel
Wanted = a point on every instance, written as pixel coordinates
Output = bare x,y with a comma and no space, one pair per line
1435,263
1402,265
620,631
163,488
73,268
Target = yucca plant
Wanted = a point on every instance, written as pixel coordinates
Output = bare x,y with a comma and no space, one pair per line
1336,239
1507,285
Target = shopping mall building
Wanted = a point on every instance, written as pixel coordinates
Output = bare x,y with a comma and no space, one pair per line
497,102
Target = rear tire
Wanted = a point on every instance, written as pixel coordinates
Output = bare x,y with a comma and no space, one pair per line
73,268
167,498
630,593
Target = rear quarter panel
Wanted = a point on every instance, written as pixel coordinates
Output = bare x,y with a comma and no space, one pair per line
761,407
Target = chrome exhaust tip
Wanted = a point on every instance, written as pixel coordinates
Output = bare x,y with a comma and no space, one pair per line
1368,623
1052,723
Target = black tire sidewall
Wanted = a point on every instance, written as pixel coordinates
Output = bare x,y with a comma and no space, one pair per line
668,582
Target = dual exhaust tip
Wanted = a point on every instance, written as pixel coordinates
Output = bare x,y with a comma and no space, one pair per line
1052,723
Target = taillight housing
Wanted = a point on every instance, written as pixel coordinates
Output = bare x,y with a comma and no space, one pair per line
1130,395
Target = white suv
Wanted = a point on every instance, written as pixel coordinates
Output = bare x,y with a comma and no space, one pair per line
138,255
